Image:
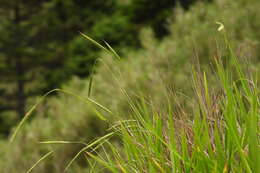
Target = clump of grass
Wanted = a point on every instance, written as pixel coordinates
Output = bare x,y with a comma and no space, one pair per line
222,134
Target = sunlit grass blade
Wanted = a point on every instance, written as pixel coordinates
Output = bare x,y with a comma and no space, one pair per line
94,42
90,85
85,100
62,142
112,51
158,166
89,146
102,162
27,115
39,161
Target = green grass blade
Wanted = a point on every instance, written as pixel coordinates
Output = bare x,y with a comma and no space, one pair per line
94,42
112,51
89,146
62,142
27,115
39,161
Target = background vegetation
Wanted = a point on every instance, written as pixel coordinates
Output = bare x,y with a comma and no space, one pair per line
153,74
43,35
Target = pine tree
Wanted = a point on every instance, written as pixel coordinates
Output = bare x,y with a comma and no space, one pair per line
37,46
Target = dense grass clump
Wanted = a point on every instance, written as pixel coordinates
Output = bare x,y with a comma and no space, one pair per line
221,134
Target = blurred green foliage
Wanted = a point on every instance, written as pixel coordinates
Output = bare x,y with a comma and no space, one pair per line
41,47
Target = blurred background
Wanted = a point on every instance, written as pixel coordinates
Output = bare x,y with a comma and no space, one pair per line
41,49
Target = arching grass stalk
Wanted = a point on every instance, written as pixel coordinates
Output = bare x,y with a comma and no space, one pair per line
85,100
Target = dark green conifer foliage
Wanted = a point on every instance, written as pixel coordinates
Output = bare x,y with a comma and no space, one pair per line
38,46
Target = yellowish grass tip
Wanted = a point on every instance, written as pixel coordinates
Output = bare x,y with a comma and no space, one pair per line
221,26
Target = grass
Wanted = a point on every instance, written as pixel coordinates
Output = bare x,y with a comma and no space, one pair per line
220,134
